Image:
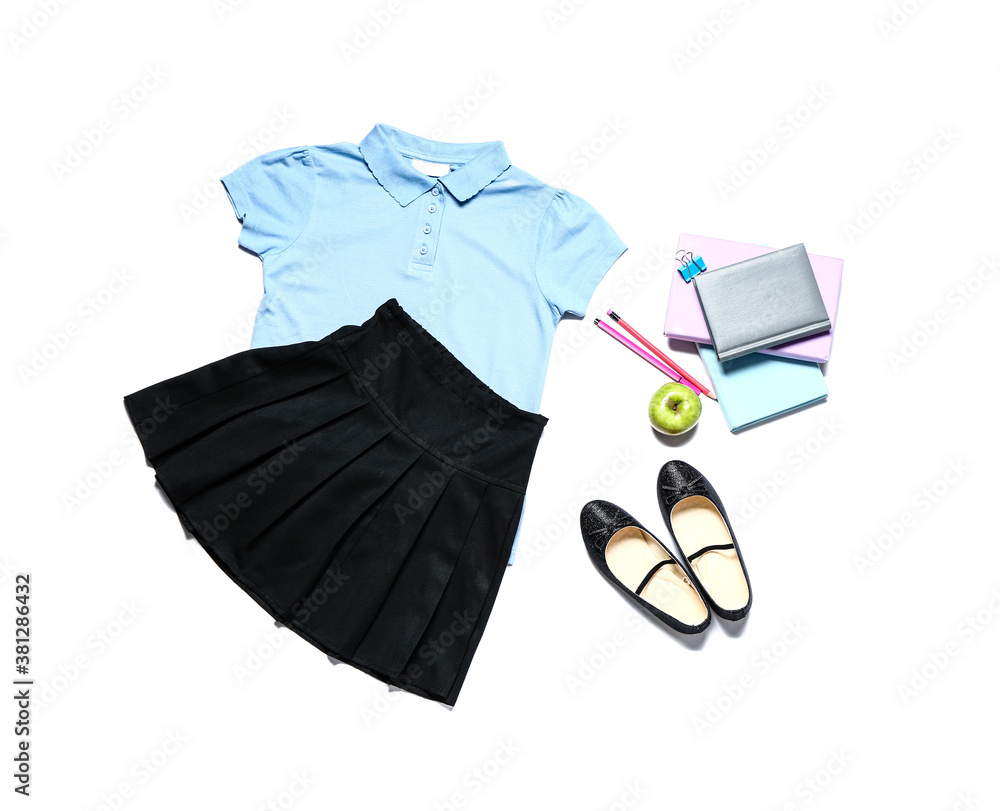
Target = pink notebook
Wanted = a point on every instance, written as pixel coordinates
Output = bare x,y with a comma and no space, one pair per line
686,322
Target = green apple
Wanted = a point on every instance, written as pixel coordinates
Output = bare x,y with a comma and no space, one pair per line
674,409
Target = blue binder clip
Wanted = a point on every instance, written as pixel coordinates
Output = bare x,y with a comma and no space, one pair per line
690,265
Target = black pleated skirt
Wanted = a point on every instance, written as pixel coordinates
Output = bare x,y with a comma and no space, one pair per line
364,489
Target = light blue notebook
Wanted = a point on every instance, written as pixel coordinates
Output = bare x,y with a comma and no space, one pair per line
756,387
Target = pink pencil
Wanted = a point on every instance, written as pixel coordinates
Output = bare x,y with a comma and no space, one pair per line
646,356
659,353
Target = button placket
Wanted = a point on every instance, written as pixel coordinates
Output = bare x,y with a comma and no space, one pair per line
429,229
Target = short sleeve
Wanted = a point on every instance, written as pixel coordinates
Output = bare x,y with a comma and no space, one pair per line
576,247
272,196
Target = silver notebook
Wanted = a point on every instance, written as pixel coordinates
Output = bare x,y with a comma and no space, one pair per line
761,302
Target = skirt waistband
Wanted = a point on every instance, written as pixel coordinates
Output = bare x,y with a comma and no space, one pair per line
450,371
439,400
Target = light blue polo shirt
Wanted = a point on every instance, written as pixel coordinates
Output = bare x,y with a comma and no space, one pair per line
486,257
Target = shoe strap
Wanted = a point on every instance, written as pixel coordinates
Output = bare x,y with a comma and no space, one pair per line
711,548
653,571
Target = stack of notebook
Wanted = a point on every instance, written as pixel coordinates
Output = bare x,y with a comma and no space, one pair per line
763,321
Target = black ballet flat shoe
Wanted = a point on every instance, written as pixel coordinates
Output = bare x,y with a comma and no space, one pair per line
699,525
636,563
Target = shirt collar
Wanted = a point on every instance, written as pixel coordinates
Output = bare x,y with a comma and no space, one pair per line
388,152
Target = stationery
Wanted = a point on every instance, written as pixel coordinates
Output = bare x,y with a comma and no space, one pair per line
621,322
761,302
651,359
685,320
757,387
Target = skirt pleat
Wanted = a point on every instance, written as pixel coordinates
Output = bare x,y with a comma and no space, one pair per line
441,656
178,411
247,502
304,524
391,639
254,444
370,566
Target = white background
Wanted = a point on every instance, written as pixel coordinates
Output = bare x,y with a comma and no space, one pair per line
573,700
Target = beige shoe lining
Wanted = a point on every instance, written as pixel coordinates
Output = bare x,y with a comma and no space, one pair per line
697,523
631,553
